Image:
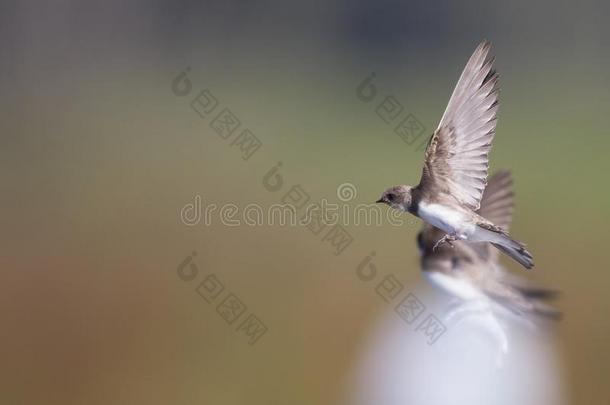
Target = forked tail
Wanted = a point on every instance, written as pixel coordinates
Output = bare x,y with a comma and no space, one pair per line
516,251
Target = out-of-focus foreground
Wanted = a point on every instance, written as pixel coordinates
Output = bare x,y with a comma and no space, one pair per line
102,299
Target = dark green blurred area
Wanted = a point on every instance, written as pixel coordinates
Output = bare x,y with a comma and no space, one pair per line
99,156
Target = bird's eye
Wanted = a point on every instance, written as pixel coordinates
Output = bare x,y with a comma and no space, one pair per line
390,196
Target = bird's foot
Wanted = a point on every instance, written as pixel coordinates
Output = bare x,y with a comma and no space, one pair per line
445,239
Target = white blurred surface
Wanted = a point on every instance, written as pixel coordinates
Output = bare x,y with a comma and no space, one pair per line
400,367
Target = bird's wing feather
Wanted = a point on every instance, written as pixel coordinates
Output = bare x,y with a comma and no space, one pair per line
497,207
497,201
456,159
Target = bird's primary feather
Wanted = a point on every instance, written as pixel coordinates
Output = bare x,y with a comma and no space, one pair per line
497,206
497,201
456,159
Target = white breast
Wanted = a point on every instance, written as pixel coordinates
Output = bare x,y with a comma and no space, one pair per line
442,217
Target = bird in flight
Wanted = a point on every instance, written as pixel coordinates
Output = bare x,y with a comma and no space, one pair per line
471,272
456,163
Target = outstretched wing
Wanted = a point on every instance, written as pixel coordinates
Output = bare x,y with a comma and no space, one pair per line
496,206
456,160
497,201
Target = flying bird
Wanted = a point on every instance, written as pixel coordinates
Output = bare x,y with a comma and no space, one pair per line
471,271
456,164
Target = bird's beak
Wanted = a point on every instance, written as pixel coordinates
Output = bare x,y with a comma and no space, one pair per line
379,201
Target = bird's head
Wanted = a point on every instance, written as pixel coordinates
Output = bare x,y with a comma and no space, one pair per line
397,197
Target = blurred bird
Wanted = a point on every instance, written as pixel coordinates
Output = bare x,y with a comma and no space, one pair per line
456,164
471,272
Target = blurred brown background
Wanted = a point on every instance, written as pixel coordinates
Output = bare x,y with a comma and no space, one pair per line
99,156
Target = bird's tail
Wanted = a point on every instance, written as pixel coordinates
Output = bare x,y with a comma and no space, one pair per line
539,298
501,239
536,307
515,250
537,293
547,311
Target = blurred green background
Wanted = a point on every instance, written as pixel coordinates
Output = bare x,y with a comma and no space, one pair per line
99,156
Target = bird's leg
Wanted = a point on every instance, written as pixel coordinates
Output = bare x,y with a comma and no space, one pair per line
448,238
